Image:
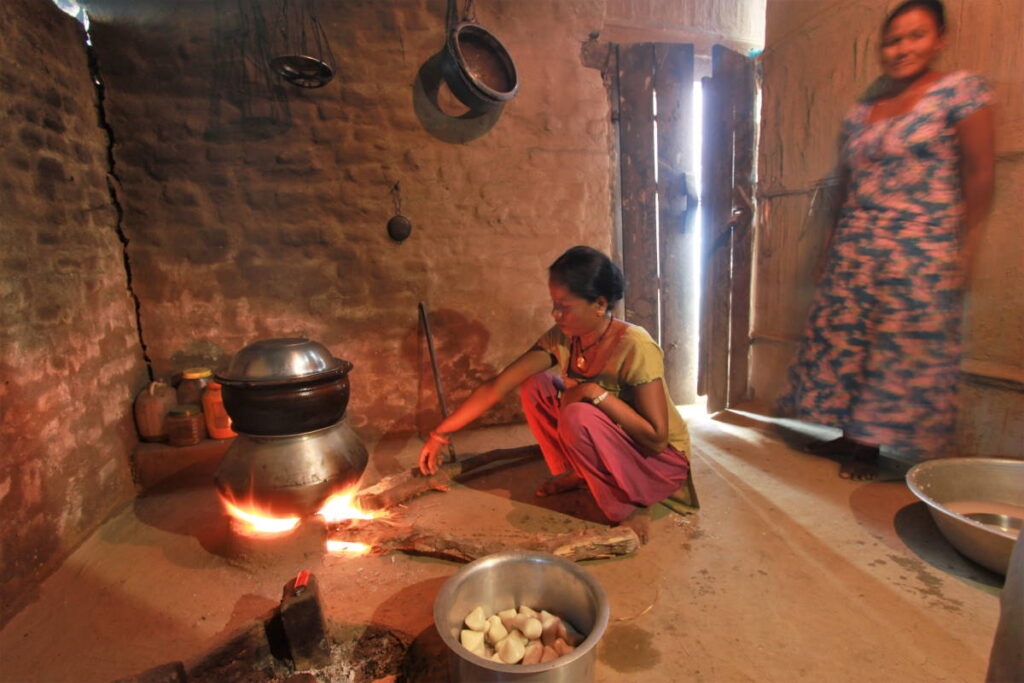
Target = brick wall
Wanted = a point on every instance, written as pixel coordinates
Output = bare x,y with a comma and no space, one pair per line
70,357
257,211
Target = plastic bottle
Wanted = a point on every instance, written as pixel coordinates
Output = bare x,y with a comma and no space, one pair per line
193,381
151,407
218,422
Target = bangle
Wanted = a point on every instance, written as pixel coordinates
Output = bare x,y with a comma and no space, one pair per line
600,397
439,438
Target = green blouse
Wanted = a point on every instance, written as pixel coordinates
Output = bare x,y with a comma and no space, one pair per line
635,360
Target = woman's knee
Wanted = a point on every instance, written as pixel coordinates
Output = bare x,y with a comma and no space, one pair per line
574,420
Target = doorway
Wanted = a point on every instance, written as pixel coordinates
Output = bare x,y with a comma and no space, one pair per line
686,179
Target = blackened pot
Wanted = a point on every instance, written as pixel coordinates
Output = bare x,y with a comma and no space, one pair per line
477,68
266,409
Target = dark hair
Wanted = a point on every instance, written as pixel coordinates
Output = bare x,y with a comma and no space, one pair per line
589,274
933,7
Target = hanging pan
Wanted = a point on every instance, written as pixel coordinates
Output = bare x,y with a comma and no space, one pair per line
476,66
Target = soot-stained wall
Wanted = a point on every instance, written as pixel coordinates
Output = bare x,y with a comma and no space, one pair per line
70,356
257,209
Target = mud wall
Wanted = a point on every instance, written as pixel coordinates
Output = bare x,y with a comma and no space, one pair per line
70,358
804,100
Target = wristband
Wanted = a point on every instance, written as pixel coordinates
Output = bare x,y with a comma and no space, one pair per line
437,437
600,397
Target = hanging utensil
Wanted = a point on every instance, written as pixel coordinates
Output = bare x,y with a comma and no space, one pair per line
302,52
476,66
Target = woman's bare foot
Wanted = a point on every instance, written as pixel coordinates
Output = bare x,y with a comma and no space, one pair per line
570,481
861,464
640,522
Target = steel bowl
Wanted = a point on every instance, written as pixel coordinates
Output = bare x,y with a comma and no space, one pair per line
292,475
510,579
956,488
282,360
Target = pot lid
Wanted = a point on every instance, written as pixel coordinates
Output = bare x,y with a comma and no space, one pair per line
283,359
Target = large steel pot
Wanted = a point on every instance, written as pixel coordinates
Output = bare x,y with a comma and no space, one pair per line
511,579
291,475
284,386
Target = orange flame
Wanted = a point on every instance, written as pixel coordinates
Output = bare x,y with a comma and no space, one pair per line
342,506
347,547
255,522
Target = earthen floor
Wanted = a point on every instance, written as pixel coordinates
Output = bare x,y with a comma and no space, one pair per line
787,573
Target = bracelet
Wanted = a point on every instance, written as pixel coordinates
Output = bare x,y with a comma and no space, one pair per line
600,397
439,438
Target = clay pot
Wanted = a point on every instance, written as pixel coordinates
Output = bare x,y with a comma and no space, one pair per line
286,408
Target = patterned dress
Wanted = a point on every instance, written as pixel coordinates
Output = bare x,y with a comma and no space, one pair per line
880,355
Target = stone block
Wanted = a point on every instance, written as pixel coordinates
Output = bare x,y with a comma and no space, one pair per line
302,620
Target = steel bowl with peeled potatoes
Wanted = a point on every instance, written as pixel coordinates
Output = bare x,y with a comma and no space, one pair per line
284,386
511,579
962,494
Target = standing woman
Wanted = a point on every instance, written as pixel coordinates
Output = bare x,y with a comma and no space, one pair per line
606,422
881,351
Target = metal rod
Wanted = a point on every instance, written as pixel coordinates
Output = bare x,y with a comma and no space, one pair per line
437,373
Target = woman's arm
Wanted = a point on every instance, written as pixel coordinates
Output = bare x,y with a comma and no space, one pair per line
838,196
976,134
482,399
647,424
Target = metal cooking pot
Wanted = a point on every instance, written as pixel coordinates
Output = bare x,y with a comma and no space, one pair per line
477,68
286,408
292,475
511,579
285,386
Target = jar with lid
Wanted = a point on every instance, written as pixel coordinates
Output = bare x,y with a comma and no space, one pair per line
190,389
185,425
218,422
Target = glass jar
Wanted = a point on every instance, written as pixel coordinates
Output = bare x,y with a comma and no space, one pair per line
185,425
193,382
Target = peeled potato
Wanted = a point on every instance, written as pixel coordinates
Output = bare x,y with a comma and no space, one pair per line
562,647
523,609
495,629
508,618
534,651
511,650
472,641
531,628
571,635
548,654
476,620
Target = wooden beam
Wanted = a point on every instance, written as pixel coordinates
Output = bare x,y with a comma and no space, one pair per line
636,141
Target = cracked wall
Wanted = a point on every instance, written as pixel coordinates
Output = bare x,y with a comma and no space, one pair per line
70,357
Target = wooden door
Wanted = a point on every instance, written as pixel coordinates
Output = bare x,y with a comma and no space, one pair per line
655,85
727,236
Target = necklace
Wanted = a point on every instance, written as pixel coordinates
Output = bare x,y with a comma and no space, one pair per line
579,350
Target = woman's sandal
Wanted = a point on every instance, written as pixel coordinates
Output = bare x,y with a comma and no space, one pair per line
835,447
861,464
561,484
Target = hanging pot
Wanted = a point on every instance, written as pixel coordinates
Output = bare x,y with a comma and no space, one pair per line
477,67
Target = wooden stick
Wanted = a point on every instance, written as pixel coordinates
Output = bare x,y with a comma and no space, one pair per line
398,488
385,536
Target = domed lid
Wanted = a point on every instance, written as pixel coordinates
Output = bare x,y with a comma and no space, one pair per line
281,360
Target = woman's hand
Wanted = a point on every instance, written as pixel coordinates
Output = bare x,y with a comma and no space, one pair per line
575,392
430,454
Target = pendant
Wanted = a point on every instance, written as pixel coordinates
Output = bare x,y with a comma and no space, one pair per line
581,362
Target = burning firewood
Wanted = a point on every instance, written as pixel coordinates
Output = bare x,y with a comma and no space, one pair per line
384,536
